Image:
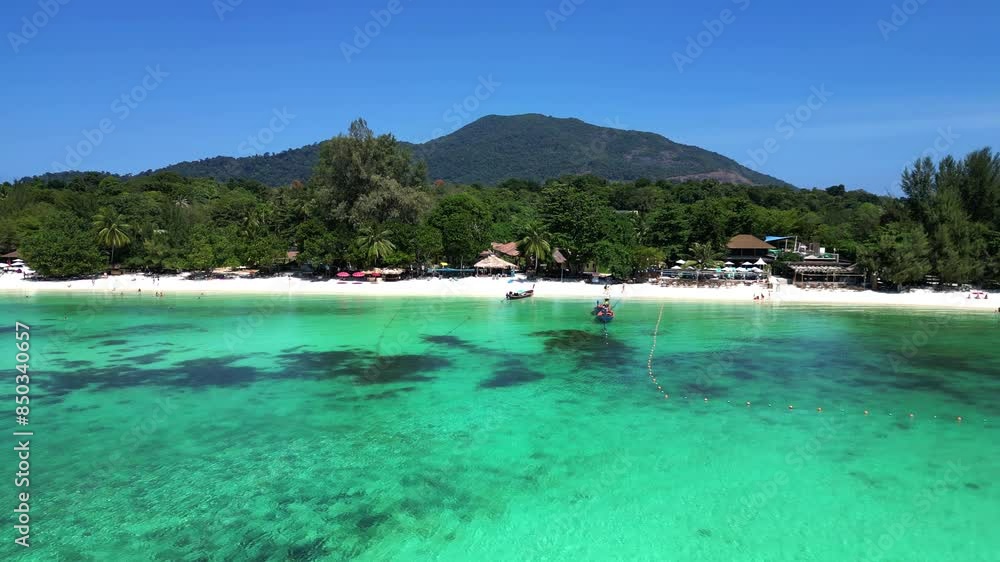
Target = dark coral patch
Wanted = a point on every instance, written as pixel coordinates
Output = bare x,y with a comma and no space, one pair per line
511,372
365,367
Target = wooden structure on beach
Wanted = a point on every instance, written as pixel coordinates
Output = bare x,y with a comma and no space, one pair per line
819,274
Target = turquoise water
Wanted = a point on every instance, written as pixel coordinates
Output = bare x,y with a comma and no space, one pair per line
423,429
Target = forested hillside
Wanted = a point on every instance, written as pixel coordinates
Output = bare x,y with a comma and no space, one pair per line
496,148
368,203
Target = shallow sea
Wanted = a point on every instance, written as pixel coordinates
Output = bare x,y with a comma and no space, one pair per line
277,428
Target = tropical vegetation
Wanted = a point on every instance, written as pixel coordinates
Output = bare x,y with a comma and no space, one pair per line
369,203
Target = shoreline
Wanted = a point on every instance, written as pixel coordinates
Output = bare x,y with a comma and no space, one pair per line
488,288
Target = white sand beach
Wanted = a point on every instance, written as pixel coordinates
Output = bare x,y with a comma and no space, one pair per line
485,287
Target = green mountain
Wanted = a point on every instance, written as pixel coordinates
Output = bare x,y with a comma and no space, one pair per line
496,148
538,147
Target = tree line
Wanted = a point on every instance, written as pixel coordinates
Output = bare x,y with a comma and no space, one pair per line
369,203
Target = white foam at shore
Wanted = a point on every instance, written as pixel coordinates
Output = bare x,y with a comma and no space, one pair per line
485,287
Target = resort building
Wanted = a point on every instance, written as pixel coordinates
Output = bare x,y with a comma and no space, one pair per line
747,248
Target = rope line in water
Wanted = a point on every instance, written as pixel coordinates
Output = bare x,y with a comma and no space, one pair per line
666,395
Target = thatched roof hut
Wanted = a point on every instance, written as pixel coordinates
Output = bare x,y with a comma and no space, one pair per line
493,262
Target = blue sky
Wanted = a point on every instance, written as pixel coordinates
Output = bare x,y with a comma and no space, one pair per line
203,78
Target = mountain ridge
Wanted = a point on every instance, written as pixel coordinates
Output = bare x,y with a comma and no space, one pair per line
495,148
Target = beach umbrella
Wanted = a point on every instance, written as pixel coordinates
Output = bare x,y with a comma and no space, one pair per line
676,267
747,263
729,263
760,261
343,274
680,262
359,274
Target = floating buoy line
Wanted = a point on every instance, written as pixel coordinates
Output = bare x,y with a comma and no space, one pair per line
748,404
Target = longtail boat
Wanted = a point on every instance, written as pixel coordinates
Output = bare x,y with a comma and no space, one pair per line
605,315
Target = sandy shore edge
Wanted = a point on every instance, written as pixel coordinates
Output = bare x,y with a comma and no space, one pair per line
136,285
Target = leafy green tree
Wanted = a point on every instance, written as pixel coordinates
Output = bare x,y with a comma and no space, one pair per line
918,185
463,222
644,257
709,220
669,229
365,178
61,248
980,186
614,258
575,218
262,251
111,231
156,250
958,245
427,243
899,254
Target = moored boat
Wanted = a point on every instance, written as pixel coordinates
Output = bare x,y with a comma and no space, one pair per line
513,296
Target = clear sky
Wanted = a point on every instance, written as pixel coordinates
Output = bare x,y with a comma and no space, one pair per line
232,77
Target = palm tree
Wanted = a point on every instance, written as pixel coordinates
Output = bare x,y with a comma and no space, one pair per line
704,255
251,222
535,243
182,203
111,231
375,243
